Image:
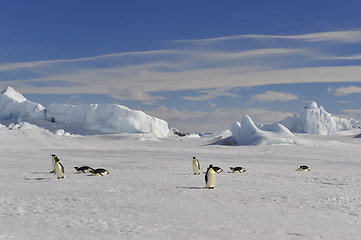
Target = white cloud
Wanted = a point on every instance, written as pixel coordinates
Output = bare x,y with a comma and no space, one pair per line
272,96
133,93
352,111
349,57
336,36
184,69
344,91
210,94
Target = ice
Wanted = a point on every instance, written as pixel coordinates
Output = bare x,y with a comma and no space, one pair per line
79,119
315,120
247,133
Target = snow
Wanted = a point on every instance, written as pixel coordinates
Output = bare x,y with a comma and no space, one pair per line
315,120
151,192
78,119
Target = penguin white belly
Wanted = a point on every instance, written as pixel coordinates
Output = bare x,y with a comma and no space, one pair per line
196,168
211,178
59,170
52,165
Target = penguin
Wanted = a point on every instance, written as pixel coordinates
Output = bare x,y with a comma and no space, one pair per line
99,172
217,169
210,177
304,168
83,169
196,166
58,167
237,169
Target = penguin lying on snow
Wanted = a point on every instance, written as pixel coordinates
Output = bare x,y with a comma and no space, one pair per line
303,168
237,169
99,172
58,167
83,169
196,166
210,177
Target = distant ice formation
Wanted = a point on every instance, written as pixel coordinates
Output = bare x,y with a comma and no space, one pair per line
80,119
247,133
315,120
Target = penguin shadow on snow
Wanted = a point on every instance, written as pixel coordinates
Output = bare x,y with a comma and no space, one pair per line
38,178
193,188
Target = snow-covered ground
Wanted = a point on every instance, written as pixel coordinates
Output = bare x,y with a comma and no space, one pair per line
151,192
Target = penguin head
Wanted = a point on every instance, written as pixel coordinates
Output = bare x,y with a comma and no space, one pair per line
194,158
210,166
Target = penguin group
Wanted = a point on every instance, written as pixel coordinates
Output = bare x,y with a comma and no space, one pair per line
210,174
58,169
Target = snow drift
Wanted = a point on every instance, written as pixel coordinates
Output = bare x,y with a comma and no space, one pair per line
80,119
315,120
248,133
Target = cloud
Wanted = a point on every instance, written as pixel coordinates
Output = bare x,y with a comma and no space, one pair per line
210,94
336,36
272,96
120,75
344,91
133,93
352,111
216,120
36,64
349,57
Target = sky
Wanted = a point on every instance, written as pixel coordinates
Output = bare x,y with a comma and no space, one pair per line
199,65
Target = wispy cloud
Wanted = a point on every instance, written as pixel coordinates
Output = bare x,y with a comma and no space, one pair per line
336,36
210,94
210,71
272,96
349,57
352,111
344,91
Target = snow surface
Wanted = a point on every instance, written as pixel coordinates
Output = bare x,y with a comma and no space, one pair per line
78,119
151,192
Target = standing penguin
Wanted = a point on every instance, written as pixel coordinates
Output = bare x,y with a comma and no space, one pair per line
196,166
53,163
210,177
58,167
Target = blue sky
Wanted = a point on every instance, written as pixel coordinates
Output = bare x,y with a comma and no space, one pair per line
200,65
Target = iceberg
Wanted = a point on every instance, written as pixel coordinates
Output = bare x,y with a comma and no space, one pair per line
79,119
